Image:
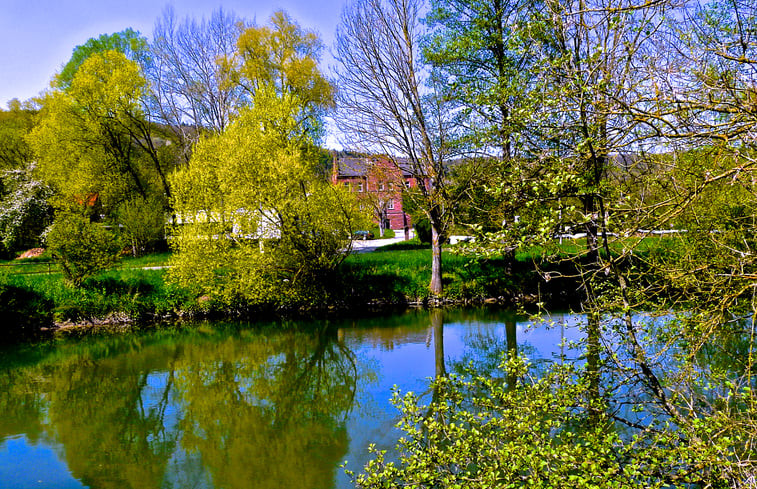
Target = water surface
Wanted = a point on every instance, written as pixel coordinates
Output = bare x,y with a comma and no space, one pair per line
231,405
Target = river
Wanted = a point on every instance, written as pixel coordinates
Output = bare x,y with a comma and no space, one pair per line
239,405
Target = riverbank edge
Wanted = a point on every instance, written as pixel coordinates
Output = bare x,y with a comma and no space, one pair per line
121,322
521,287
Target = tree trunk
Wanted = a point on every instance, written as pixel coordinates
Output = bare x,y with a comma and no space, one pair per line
511,337
435,286
591,227
593,365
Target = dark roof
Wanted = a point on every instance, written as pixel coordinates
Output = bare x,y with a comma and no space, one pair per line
352,167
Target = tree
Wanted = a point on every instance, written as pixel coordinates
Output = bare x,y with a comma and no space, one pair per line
388,104
15,124
93,139
622,80
24,209
190,86
128,42
81,248
259,224
143,223
477,48
284,56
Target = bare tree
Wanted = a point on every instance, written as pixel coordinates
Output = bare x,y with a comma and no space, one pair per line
387,103
189,74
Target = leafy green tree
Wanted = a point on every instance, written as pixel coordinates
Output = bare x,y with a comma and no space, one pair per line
15,124
258,222
93,139
284,56
128,42
81,248
606,90
143,223
478,48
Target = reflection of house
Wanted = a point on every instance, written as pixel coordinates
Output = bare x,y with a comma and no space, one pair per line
379,184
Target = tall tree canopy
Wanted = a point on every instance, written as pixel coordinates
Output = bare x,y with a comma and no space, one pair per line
284,56
258,221
94,139
128,42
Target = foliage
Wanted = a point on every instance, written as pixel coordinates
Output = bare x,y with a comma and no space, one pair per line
258,222
143,223
93,141
127,42
388,233
15,124
478,47
481,432
81,248
284,57
24,209
126,294
423,230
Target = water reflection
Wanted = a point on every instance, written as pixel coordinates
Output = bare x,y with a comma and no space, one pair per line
223,405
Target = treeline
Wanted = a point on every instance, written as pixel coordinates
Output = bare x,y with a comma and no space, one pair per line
610,119
210,129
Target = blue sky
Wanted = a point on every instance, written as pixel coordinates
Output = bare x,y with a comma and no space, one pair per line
38,36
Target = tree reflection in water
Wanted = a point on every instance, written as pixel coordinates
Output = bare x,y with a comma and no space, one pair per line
224,410
269,411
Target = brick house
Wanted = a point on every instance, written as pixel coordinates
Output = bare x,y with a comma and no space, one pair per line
379,184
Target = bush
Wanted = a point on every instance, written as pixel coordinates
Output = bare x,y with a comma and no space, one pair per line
24,210
143,222
388,233
81,248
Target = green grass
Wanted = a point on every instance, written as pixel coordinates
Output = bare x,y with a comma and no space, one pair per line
45,264
398,273
134,292
150,260
401,272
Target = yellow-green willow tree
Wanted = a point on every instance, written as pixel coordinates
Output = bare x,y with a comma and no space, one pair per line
258,224
94,138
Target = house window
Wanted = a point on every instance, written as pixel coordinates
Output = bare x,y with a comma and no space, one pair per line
346,185
390,204
381,186
391,186
360,186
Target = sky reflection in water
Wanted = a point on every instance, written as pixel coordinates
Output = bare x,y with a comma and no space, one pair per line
229,405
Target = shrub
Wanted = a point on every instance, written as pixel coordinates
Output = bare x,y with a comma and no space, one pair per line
24,210
81,248
143,223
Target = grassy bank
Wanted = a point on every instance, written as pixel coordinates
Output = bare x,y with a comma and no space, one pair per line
137,290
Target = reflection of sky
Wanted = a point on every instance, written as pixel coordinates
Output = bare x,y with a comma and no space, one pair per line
26,465
409,364
398,354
